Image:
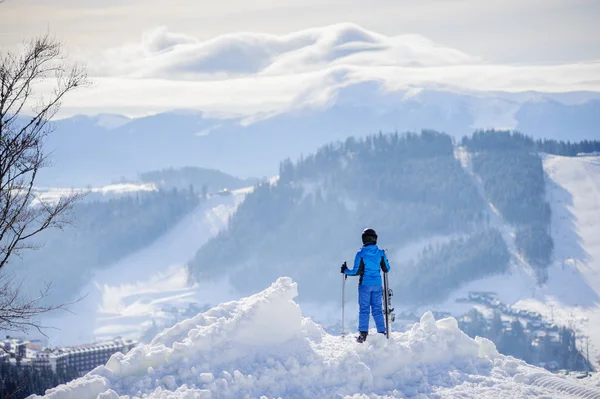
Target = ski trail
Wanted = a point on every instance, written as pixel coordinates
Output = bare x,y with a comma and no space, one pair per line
562,385
518,263
571,295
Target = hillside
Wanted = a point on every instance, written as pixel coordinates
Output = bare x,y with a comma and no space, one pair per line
150,286
475,217
410,186
236,350
102,231
570,295
136,294
431,212
513,180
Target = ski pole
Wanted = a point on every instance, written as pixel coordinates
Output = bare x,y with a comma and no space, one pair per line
344,276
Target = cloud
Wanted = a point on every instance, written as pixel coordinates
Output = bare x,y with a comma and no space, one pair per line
255,75
161,39
163,54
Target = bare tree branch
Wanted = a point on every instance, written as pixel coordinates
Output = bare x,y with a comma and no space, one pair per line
18,313
23,214
21,141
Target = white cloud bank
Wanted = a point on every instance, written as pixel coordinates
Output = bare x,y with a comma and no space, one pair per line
163,54
253,73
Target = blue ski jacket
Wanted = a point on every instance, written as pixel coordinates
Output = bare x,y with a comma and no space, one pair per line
368,263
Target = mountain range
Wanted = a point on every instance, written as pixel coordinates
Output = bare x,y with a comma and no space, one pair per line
101,149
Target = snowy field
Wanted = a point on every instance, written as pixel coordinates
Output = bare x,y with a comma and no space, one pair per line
236,350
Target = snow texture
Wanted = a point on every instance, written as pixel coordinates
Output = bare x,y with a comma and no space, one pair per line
262,346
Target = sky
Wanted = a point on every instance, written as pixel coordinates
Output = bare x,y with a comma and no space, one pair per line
267,56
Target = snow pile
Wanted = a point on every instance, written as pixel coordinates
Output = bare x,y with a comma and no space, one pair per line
261,346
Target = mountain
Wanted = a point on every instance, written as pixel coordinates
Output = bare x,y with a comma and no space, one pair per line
98,150
263,346
100,233
560,121
453,216
412,187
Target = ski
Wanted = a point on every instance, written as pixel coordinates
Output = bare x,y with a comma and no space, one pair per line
388,311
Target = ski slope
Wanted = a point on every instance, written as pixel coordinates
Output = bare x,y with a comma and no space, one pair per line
571,296
262,346
572,293
148,286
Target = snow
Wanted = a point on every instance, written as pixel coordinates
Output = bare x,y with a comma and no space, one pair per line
517,284
262,346
54,194
147,286
111,121
571,296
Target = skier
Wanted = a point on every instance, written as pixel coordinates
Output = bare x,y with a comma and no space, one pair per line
367,264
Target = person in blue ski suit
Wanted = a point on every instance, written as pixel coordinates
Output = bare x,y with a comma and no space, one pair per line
368,264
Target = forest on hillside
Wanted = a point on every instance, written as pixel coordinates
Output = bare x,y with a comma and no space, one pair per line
554,348
102,233
202,180
505,140
567,148
408,186
514,182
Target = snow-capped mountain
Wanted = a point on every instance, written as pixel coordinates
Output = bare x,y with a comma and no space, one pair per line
263,346
98,150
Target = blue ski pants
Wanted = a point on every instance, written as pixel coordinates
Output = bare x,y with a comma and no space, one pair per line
369,301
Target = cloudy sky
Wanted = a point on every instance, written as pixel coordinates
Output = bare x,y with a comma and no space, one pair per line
266,55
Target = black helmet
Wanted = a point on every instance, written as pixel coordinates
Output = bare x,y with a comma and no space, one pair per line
369,236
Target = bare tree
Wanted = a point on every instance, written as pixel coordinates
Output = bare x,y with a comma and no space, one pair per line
23,214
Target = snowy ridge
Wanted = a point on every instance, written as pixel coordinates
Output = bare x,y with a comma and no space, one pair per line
51,195
261,346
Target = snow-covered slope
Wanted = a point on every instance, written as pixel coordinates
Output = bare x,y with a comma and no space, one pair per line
148,285
262,346
571,296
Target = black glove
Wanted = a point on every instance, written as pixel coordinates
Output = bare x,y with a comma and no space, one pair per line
344,267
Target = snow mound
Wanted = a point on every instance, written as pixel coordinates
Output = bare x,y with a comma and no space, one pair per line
261,346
